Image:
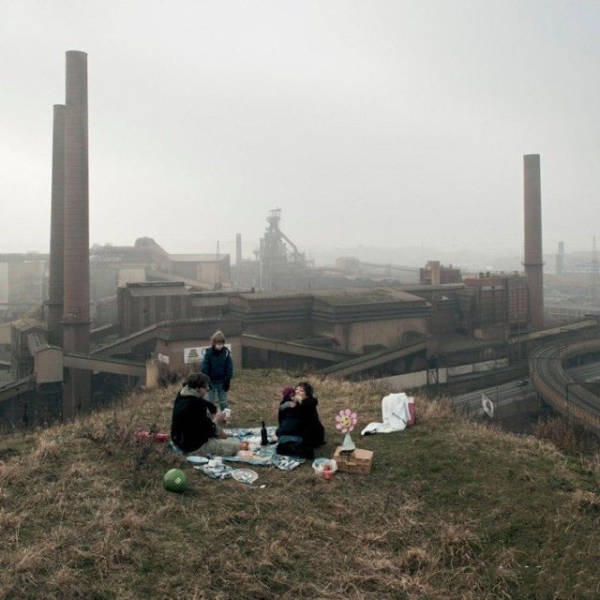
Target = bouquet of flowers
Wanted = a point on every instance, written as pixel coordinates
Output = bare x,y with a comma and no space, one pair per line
345,422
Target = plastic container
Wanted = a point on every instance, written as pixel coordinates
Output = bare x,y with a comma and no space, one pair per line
324,467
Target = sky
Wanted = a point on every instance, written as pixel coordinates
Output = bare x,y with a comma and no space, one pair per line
376,123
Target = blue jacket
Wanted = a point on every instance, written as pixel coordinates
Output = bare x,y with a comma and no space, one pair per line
218,366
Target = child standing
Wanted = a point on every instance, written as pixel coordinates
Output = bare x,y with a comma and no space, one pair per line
217,364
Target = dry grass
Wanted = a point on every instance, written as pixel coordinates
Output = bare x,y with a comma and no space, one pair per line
450,510
564,435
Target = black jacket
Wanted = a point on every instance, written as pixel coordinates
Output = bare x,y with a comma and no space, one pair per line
218,365
301,420
191,424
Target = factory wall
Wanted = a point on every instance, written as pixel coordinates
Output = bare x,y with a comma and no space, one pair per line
176,353
355,336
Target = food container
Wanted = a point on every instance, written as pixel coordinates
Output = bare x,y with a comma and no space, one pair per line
324,467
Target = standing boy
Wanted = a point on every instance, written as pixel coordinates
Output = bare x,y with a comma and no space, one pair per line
217,364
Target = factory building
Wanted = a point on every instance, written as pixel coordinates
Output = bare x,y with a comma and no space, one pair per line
23,283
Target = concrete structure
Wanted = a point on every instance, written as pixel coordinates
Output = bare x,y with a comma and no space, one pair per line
57,228
533,263
436,274
362,322
76,317
115,266
141,305
212,270
238,249
434,268
576,400
495,306
560,259
22,283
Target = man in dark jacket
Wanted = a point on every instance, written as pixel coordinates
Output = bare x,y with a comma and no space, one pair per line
217,364
300,431
195,421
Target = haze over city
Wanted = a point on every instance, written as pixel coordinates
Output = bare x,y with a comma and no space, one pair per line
381,124
299,299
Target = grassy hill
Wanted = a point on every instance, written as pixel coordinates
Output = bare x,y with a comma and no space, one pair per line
451,510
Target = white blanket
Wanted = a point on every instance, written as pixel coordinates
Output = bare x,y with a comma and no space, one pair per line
395,413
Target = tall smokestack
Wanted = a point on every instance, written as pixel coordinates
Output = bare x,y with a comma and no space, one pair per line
57,231
76,319
238,249
434,265
560,259
534,265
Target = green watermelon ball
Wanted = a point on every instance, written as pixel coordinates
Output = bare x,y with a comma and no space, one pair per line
175,480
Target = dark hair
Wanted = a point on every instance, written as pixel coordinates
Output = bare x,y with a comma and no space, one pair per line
287,393
197,380
307,387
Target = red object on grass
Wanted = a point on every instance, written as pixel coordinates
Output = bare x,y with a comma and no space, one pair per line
411,413
144,435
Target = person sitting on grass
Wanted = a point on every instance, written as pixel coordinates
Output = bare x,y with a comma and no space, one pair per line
217,364
195,425
300,431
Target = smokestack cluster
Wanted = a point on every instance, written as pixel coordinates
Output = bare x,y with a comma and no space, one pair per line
69,244
533,263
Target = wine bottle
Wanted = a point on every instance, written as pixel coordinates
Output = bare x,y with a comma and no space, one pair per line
264,438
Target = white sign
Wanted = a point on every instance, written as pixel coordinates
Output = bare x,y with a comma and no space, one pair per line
194,355
163,358
487,405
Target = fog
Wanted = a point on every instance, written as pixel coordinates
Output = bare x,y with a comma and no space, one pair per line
394,126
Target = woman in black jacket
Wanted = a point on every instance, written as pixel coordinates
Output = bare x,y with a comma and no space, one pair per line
300,431
195,421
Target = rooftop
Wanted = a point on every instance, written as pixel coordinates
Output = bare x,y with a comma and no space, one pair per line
198,257
366,296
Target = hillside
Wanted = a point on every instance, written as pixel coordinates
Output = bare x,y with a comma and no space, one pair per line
451,510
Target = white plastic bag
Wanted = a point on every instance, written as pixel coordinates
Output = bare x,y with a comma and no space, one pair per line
395,412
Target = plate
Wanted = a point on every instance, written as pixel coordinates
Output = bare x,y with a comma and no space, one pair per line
244,475
197,460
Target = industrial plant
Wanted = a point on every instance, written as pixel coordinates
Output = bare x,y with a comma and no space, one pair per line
82,323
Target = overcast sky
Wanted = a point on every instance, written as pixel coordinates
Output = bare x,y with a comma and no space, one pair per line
367,122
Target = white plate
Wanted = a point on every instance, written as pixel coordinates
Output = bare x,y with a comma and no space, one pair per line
197,460
244,475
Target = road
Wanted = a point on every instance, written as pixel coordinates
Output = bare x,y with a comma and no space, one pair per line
519,390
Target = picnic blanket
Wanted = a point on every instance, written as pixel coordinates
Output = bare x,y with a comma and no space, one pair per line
247,434
265,456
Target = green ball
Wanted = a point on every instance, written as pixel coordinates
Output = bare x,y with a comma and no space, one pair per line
175,480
